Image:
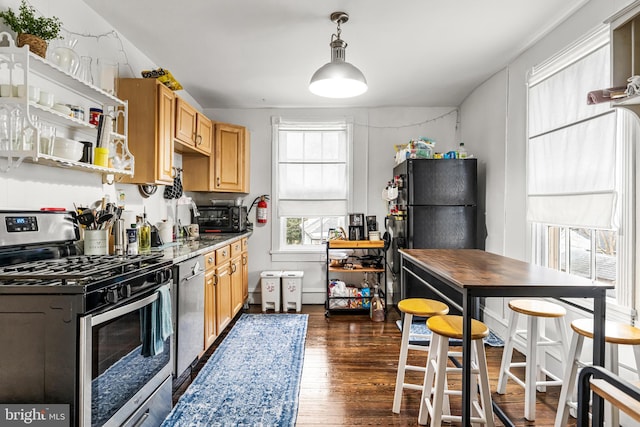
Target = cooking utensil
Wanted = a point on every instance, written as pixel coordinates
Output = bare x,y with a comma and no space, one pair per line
103,219
87,218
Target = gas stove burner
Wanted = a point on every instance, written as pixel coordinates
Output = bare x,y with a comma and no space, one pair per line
74,269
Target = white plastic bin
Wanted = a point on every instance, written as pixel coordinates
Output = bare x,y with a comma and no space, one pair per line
292,290
270,284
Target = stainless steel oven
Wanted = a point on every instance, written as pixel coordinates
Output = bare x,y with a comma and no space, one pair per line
123,361
91,332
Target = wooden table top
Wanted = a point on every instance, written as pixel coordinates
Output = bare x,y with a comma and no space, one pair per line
475,268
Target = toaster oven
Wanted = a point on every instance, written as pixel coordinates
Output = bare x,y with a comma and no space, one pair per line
222,219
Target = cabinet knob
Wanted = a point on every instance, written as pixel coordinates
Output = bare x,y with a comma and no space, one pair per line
234,268
198,139
215,280
218,180
210,260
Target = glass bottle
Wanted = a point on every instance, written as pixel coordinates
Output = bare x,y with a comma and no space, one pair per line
84,72
377,307
462,152
144,240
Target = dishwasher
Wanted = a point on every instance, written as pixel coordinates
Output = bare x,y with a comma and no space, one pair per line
188,318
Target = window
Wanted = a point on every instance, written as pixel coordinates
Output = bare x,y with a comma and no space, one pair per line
580,183
311,185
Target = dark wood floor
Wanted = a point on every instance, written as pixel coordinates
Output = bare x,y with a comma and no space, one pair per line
349,372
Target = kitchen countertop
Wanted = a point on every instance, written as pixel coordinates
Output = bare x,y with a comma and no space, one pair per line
183,250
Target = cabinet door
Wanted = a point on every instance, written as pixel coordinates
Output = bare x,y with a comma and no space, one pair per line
165,134
185,123
245,276
151,127
210,332
204,136
229,158
237,293
223,296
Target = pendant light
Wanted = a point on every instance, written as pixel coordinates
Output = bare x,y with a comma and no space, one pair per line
338,78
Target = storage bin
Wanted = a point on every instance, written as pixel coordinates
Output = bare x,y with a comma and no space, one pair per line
292,290
270,286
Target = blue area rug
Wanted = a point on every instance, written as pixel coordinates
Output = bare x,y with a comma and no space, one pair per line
420,327
251,379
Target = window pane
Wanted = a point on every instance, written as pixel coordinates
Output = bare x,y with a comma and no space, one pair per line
312,146
291,146
580,252
310,230
293,231
313,181
606,256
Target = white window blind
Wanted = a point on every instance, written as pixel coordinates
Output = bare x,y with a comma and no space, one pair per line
312,169
571,171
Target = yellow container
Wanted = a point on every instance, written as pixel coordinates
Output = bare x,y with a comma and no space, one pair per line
101,156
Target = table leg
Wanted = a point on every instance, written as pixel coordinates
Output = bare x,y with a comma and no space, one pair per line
468,308
599,312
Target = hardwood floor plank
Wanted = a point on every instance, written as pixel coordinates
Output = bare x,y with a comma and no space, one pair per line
349,372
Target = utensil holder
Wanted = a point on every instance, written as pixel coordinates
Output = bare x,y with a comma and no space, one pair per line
96,242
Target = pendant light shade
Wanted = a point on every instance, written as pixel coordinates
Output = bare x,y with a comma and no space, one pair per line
338,78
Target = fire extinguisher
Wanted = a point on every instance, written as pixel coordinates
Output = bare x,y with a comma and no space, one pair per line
261,213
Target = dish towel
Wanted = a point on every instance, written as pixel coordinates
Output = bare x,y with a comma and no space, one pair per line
155,323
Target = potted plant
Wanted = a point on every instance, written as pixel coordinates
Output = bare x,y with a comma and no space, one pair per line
31,29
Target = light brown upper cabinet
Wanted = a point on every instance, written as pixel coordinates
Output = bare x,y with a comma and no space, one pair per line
227,169
151,124
193,130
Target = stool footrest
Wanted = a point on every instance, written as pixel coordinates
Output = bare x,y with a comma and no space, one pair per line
555,381
418,347
410,386
415,368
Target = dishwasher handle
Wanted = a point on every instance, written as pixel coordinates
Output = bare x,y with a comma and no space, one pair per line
193,276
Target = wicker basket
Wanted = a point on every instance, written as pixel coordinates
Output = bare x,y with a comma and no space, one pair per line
36,44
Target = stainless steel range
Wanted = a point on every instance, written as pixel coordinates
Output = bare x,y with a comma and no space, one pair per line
92,332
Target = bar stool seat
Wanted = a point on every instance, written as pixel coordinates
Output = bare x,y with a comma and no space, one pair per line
435,391
615,333
413,307
534,340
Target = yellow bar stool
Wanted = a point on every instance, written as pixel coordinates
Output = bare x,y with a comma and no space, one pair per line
435,390
534,340
615,333
413,307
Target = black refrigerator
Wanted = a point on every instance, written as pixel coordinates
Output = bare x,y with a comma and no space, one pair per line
437,201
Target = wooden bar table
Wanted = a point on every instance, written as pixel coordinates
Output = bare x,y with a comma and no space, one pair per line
474,273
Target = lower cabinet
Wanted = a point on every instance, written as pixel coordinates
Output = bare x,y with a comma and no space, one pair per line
245,270
223,288
237,293
226,287
210,331
223,296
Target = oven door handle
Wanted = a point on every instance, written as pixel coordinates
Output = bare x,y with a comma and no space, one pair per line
120,311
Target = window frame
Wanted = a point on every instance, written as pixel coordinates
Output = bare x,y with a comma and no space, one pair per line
280,251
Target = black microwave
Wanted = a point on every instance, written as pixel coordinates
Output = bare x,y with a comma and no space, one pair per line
222,219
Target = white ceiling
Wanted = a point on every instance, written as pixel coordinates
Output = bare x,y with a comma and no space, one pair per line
262,53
